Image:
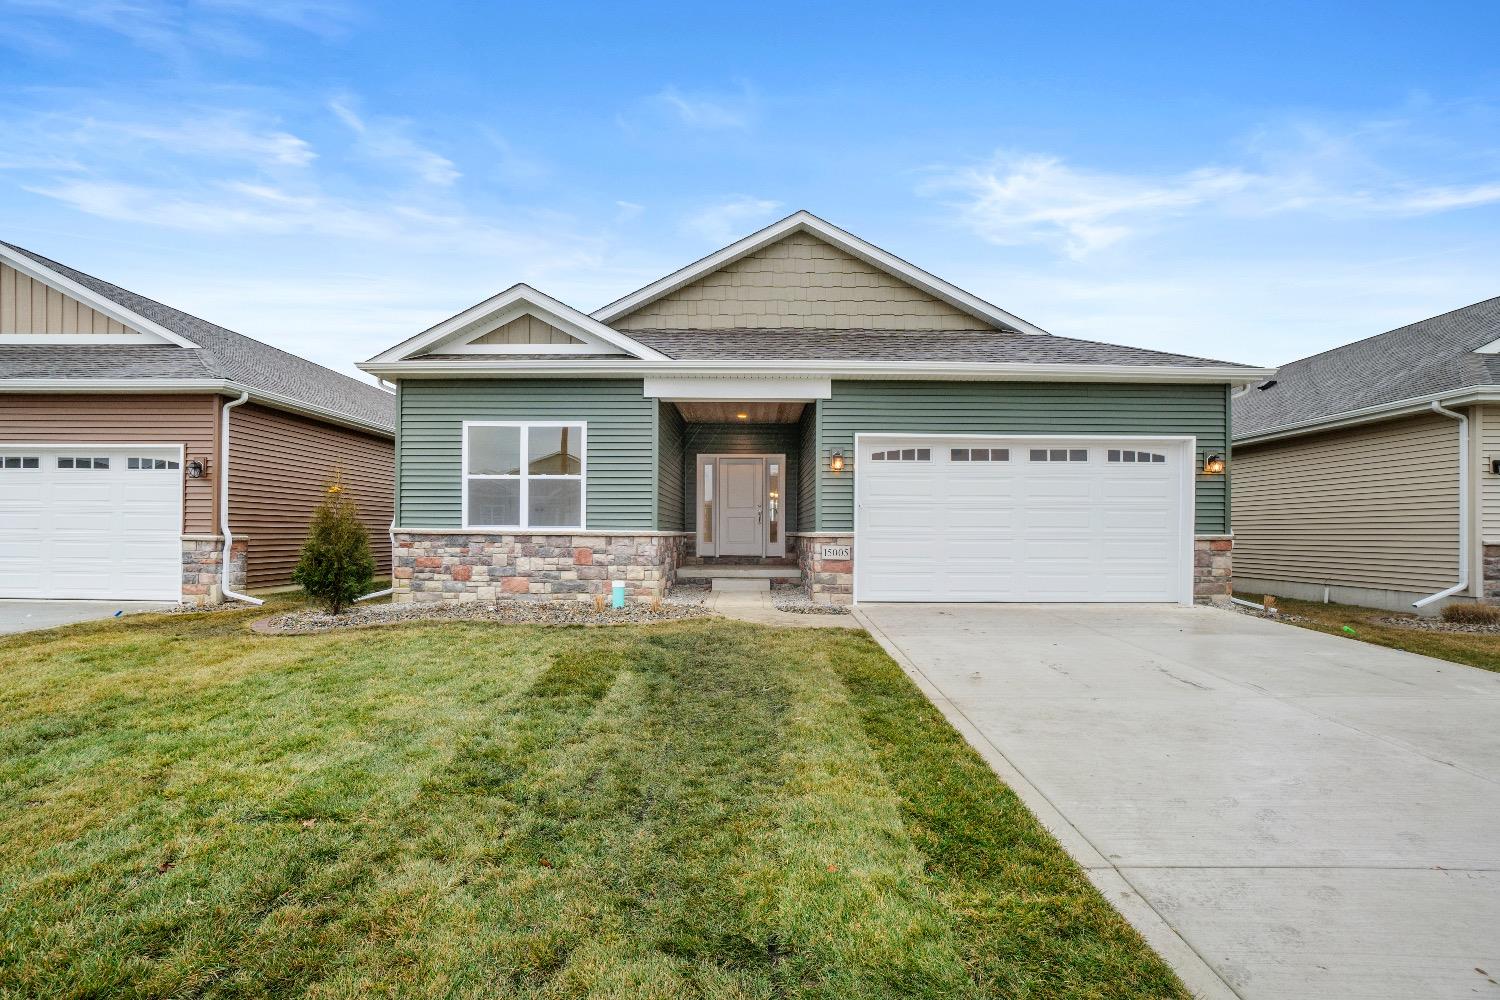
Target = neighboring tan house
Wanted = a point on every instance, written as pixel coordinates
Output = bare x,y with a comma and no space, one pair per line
806,399
119,418
1368,474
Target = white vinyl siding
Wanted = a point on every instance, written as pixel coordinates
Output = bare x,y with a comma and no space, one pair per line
1374,506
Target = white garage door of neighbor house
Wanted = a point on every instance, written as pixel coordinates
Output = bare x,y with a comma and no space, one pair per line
1017,519
90,522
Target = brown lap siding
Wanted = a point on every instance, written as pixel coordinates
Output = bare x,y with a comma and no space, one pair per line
279,463
108,418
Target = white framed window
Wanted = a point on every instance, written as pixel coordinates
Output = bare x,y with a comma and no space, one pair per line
979,455
1142,457
82,462
134,463
527,475
902,455
1059,455
20,462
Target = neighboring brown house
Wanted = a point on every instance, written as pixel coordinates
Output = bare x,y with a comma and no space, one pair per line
119,418
1370,474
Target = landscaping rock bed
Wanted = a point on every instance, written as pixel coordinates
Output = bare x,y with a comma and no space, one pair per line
798,603
504,613
1437,625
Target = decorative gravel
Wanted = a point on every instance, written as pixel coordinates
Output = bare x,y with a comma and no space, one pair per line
204,609
504,612
1438,625
799,604
688,597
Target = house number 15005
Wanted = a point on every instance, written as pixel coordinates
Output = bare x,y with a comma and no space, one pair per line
833,552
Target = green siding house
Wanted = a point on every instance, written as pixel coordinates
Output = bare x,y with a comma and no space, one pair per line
803,404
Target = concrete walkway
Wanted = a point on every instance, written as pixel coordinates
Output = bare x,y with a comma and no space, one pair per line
755,606
1281,813
27,616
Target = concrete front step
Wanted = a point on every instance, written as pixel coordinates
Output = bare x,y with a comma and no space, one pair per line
737,572
740,583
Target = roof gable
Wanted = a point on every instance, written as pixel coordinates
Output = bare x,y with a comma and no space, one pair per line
39,305
803,272
520,321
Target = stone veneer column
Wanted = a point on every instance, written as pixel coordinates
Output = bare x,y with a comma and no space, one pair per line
201,555
468,566
826,581
1491,570
1213,567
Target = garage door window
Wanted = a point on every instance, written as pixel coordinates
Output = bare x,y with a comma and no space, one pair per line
20,462
1144,457
1059,454
80,462
150,463
902,455
979,455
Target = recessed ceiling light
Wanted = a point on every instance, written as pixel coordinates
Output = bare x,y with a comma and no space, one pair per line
743,416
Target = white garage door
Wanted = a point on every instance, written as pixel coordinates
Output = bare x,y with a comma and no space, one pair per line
1016,519
90,522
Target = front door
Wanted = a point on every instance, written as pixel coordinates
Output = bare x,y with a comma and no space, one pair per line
741,502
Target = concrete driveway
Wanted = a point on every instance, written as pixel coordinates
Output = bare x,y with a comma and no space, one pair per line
27,616
1282,813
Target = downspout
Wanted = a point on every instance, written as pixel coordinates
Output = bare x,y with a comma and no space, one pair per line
1463,507
381,593
224,503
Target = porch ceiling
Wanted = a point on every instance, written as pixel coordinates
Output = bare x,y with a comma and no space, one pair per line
729,413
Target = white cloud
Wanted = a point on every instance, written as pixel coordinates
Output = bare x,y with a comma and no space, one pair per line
706,111
1015,198
625,211
183,31
386,139
730,219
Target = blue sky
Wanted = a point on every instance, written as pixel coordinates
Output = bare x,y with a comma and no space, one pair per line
1249,182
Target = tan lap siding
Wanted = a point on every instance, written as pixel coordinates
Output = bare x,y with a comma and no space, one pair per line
1373,506
102,418
279,463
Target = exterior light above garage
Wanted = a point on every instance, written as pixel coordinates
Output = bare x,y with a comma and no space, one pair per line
742,416
1213,465
836,462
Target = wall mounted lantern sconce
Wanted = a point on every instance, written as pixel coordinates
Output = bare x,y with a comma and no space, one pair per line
1213,465
836,462
195,468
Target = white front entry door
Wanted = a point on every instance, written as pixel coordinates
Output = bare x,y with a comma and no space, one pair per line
960,519
741,506
90,522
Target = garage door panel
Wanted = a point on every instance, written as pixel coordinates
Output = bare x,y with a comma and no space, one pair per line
105,533
1020,530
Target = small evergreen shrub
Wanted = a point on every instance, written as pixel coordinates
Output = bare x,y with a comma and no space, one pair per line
336,564
1471,614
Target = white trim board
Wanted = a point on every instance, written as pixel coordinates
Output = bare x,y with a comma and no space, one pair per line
146,331
768,390
511,303
806,222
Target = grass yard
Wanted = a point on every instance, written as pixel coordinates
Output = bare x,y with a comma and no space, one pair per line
1475,649
699,809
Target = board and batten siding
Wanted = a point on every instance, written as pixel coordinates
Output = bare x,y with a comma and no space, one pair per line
1017,408
104,418
279,465
31,306
670,498
1371,506
743,439
621,456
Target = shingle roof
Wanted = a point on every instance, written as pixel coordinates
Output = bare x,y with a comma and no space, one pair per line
1432,356
984,346
221,354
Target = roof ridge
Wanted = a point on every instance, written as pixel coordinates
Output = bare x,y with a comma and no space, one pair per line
1394,329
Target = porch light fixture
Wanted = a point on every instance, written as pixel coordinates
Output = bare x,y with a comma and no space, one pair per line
195,468
742,416
1213,465
836,462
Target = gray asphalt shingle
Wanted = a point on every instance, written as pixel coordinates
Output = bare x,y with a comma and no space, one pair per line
1432,356
221,353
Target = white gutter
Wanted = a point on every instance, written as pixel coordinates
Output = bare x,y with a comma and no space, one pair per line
1370,414
381,593
1463,508
833,369
224,502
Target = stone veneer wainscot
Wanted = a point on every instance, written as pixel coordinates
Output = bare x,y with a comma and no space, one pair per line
1213,568
826,581
202,559
480,566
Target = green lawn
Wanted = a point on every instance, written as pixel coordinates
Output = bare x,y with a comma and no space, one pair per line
698,809
1475,649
